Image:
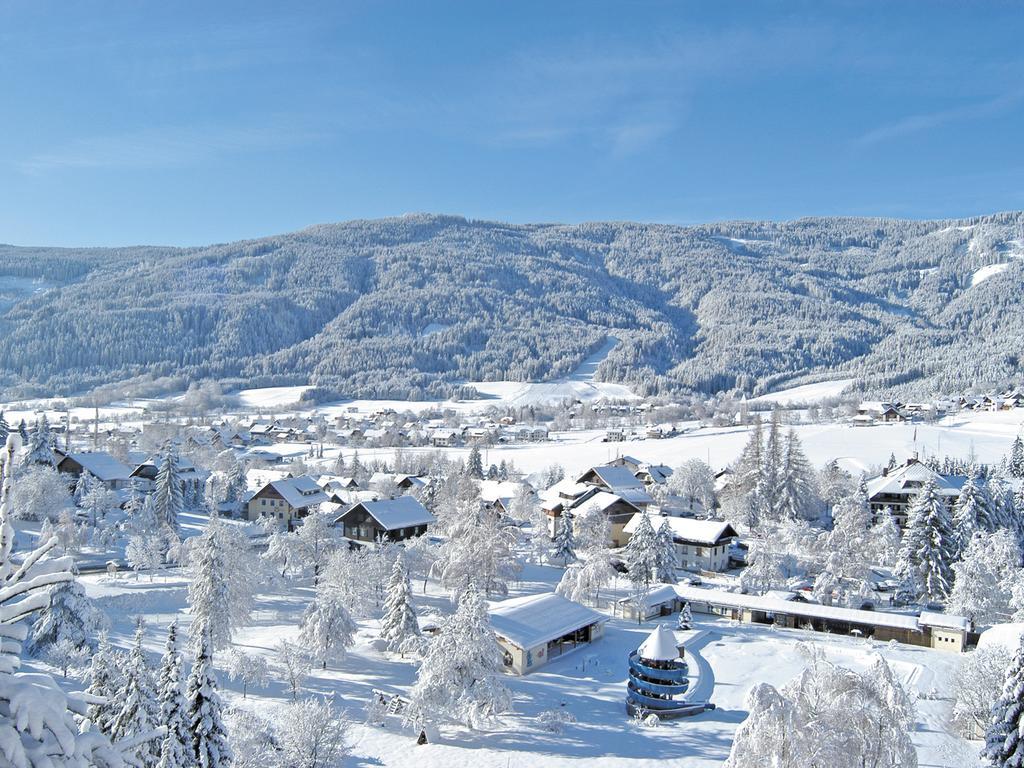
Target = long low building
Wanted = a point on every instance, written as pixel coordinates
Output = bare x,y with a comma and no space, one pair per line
535,629
931,630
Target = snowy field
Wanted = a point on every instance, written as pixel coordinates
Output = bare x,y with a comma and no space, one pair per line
986,436
589,683
807,393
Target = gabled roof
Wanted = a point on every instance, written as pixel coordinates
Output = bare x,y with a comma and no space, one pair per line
612,477
392,514
602,500
535,619
707,532
102,465
910,478
301,491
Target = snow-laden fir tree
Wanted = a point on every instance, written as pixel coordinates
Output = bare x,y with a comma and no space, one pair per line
220,590
140,710
70,616
399,627
1015,464
1004,739
768,491
210,746
83,485
685,617
327,629
667,559
5,428
176,746
641,553
748,477
565,541
168,495
583,580
37,718
39,449
459,678
106,679
797,497
925,558
474,464
885,538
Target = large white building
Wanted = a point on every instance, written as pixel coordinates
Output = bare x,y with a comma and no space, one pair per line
701,545
897,488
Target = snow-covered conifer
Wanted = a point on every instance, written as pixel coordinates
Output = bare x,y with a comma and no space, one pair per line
168,496
399,627
39,447
926,553
565,541
176,745
474,464
210,746
70,615
642,552
1015,465
140,710
797,496
220,591
667,560
459,678
984,578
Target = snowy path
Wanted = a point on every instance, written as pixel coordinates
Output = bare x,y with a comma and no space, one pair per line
705,675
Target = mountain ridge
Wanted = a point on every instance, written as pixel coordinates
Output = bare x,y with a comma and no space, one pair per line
742,305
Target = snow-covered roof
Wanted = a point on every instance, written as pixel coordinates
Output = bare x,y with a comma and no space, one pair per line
565,488
947,621
102,465
602,500
614,477
392,514
660,645
708,532
808,610
493,490
656,596
301,491
536,619
910,478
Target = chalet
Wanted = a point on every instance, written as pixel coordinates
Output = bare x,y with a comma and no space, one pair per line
500,494
610,477
930,630
536,629
334,483
395,519
882,412
109,471
286,499
701,545
444,438
896,489
193,479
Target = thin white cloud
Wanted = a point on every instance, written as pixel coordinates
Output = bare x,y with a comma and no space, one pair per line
162,147
914,124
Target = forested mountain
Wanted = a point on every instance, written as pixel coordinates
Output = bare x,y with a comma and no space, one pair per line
411,307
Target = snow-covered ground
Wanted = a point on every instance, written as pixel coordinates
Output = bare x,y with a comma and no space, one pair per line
589,683
990,270
270,397
986,436
807,393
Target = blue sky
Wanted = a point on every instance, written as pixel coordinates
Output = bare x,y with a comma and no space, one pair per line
188,123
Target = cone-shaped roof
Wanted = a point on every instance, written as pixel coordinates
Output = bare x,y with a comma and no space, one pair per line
660,645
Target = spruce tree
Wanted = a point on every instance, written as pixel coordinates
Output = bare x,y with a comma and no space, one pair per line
797,495
641,556
105,680
210,748
40,444
1016,463
667,560
176,747
68,616
168,497
925,557
1004,740
5,428
967,511
565,541
474,464
140,712
399,627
